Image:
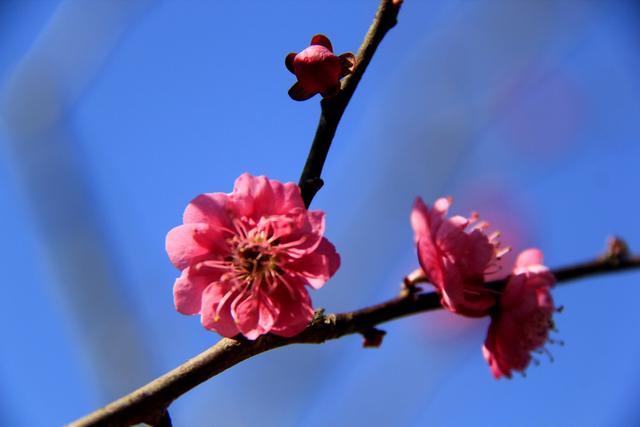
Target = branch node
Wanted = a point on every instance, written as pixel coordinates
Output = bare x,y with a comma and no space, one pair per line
309,188
330,319
408,286
161,419
617,250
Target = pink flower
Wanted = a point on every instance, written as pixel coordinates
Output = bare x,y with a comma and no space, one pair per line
247,256
455,254
521,322
318,70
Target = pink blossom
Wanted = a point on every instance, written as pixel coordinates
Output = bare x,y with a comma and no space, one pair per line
456,254
318,69
521,321
247,256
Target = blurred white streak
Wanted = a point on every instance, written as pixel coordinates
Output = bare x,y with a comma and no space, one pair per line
37,100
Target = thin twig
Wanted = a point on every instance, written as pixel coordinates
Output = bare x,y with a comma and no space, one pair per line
152,400
333,108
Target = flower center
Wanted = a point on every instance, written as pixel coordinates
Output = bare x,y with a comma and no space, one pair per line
254,258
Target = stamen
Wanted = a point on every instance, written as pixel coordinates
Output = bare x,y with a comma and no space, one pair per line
212,264
221,304
494,236
300,241
502,251
236,301
482,226
240,227
546,351
228,230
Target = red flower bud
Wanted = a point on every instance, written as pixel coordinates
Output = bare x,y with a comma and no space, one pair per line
318,69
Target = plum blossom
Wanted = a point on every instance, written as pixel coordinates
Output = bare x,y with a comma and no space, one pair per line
247,256
522,319
456,254
318,69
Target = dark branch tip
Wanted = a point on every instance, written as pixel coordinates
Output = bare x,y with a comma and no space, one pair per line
373,337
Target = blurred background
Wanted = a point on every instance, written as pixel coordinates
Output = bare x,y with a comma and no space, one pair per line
115,114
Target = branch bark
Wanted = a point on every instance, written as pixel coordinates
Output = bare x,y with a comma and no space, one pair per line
333,108
150,402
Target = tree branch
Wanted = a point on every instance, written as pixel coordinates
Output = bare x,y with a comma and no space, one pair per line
333,108
150,402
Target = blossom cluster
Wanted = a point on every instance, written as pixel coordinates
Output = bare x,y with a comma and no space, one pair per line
456,255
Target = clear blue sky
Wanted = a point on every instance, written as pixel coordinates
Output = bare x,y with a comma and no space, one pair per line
115,114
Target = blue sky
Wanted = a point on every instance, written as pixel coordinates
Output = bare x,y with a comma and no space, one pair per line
116,114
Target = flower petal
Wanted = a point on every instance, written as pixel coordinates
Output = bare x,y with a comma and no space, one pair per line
431,262
420,219
295,310
188,289
490,355
318,266
297,92
452,288
452,240
439,211
475,304
256,197
191,243
254,315
348,63
321,40
480,252
521,322
529,257
216,313
306,233
209,208
288,61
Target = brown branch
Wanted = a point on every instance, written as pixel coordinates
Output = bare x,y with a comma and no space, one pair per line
164,420
333,108
150,402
